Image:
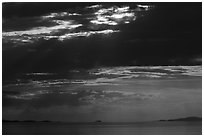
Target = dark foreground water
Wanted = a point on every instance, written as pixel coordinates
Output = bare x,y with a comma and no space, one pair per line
143,128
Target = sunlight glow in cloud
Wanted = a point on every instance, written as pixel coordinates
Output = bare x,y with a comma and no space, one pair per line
93,6
103,20
60,14
40,32
119,16
114,16
146,7
44,30
156,71
85,34
100,20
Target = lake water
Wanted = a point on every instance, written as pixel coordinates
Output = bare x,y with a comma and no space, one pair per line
141,128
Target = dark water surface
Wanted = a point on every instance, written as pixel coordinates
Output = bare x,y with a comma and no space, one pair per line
141,128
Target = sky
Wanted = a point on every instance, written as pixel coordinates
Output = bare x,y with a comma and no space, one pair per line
115,62
59,36
109,94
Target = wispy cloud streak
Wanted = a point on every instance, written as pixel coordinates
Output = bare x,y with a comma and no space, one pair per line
99,19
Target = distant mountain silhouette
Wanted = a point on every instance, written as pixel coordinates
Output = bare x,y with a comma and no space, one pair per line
98,121
185,119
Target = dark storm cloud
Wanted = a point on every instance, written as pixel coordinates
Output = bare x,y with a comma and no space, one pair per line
70,24
72,35
20,9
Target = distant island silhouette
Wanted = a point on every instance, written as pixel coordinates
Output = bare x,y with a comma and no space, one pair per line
98,121
185,119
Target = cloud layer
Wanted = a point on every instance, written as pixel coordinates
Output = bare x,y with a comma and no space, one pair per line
102,93
83,62
92,20
110,77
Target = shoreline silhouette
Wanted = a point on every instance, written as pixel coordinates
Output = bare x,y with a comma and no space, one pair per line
191,119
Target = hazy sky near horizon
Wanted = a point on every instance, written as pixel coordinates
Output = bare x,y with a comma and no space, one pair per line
116,94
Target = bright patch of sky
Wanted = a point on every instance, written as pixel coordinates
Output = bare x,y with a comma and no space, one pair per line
67,25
